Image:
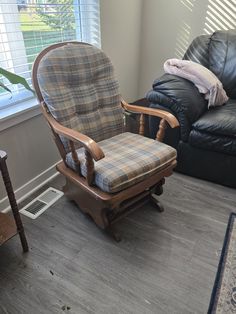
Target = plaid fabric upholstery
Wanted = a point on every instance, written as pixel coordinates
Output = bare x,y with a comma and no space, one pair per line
78,86
129,158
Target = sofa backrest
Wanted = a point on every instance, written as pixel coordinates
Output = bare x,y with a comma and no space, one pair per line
217,52
198,51
222,54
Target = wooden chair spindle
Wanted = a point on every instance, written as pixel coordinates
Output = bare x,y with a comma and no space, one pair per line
141,124
90,167
161,131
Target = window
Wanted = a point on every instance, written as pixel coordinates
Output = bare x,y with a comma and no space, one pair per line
28,26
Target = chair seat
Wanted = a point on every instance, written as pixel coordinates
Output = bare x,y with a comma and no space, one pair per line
129,159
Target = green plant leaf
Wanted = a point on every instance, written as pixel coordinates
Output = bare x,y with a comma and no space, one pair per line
14,79
5,87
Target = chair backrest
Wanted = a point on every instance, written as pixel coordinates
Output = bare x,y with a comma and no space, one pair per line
76,81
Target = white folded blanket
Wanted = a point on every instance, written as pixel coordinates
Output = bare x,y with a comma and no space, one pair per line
206,81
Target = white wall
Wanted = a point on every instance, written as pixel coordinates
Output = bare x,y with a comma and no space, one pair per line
163,23
30,150
120,29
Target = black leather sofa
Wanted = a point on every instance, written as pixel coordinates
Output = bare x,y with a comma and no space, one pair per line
206,139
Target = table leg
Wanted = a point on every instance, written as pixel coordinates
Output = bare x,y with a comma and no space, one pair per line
14,206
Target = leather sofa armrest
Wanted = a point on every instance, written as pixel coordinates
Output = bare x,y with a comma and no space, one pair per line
181,97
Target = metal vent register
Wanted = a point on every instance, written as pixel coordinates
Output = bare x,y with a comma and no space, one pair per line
36,207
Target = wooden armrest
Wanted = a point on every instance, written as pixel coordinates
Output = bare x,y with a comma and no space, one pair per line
90,145
170,118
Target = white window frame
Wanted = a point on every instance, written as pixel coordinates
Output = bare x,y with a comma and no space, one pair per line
17,110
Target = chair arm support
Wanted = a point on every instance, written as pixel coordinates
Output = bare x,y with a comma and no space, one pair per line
167,116
89,144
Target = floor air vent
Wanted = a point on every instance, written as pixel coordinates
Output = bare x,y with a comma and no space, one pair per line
36,207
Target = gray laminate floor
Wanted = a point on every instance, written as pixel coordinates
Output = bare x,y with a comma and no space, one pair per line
166,262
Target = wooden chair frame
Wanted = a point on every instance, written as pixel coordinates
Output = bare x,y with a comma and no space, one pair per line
104,208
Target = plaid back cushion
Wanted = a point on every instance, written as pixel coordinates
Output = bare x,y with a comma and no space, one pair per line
78,85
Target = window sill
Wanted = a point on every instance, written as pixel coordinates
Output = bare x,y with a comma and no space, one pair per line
18,113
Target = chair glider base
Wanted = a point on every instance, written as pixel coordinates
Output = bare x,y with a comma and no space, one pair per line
157,203
106,209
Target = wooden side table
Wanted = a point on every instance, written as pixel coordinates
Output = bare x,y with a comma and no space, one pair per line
9,226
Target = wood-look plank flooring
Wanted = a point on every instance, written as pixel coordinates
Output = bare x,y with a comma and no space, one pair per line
166,262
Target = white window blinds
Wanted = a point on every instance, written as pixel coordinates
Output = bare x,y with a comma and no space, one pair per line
28,26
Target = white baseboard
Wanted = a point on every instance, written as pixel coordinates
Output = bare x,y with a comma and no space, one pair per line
30,187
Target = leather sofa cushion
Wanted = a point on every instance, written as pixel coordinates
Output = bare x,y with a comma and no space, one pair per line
219,120
218,143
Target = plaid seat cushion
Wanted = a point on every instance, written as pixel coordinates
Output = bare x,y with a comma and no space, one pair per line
129,158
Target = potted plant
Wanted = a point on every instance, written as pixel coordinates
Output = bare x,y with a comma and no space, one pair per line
14,79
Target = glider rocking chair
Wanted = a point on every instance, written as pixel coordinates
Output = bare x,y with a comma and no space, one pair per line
108,171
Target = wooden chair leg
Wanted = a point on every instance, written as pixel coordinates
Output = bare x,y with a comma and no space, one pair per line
14,206
113,233
157,203
159,187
